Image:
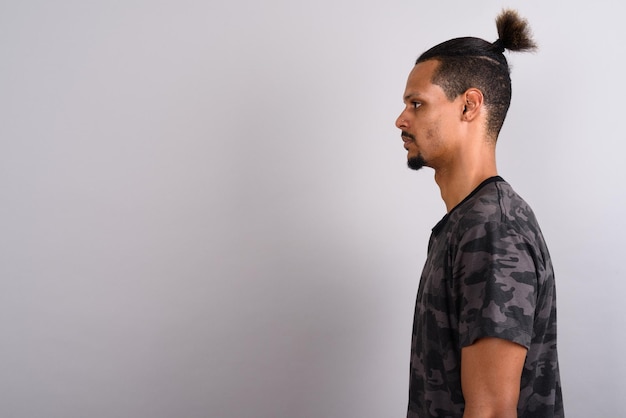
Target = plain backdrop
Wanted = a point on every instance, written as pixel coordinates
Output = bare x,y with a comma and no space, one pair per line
205,209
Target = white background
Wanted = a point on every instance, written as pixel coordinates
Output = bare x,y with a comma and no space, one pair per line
205,209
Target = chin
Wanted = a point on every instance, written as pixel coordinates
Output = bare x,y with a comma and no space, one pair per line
415,163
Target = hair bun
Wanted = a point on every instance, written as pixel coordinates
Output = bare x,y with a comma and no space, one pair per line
513,32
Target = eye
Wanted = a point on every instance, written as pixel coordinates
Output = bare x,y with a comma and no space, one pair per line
415,105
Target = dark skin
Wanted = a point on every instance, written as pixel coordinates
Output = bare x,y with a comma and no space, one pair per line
450,136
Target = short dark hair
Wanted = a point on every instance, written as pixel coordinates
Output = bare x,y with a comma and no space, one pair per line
473,62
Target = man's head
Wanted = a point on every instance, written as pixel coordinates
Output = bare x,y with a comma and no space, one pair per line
473,62
469,64
434,126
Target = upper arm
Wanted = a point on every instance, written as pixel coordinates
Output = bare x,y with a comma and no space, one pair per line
491,371
494,285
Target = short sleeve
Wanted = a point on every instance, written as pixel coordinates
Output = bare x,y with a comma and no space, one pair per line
495,284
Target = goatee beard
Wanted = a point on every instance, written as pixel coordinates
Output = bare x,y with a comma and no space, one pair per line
415,163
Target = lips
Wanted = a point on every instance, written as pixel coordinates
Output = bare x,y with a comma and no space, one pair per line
407,138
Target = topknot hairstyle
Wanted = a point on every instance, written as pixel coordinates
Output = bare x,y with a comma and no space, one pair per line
473,62
514,32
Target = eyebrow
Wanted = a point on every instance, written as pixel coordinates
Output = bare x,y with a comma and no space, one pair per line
411,95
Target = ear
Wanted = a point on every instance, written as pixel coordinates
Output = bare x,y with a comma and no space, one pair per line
473,104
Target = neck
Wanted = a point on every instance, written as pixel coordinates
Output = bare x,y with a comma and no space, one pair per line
457,182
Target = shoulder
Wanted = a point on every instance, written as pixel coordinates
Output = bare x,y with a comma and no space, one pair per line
495,203
495,220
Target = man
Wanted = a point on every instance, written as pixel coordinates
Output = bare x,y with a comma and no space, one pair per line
484,334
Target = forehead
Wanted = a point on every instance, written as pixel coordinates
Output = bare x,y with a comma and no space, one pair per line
420,78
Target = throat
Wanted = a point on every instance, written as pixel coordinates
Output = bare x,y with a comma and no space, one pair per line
456,188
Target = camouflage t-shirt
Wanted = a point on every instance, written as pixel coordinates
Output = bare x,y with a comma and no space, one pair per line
488,274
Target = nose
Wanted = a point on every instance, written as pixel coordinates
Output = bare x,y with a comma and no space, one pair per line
401,121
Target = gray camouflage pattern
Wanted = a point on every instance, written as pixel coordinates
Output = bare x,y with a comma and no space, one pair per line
488,274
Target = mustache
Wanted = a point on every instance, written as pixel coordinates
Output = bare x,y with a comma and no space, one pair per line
407,135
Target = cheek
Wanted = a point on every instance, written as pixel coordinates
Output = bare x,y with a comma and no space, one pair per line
431,141
433,134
